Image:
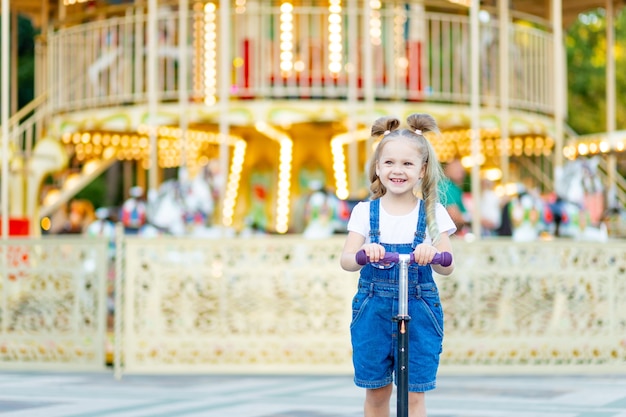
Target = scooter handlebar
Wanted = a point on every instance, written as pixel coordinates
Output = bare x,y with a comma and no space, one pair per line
441,258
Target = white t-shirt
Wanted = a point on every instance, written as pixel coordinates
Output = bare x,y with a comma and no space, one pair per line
396,229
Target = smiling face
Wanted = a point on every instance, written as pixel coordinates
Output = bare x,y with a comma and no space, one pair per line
400,166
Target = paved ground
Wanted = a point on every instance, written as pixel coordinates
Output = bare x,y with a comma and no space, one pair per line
99,394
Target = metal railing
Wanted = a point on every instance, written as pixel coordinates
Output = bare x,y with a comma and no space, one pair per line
53,304
281,304
424,58
27,125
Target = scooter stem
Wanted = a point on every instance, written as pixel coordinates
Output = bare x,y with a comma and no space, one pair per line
403,286
402,319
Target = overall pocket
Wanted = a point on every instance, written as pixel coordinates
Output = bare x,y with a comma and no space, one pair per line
359,301
431,305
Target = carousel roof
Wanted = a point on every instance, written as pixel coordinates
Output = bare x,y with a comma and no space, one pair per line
539,8
34,9
571,8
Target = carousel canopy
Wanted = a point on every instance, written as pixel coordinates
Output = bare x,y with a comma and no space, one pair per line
539,8
571,8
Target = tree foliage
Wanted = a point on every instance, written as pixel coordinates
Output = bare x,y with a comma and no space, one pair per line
26,34
586,46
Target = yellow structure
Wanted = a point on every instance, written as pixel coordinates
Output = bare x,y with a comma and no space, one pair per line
274,95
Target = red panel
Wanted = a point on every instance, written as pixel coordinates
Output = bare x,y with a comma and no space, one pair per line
17,227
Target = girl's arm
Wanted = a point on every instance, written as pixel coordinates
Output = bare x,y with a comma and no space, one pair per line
424,254
444,245
354,243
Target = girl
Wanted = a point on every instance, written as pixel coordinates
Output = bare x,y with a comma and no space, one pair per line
403,215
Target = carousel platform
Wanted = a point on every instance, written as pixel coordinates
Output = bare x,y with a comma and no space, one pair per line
99,394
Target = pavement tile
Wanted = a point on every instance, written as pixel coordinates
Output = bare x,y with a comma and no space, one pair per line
49,394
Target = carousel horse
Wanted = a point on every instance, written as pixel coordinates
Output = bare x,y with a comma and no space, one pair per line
321,213
165,210
182,206
524,214
577,206
134,211
198,199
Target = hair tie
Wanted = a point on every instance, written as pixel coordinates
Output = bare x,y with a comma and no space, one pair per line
418,131
386,132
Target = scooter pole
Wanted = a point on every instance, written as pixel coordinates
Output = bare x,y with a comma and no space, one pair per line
402,318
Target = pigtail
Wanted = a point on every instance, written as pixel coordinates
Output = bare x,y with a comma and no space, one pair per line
430,192
419,124
383,128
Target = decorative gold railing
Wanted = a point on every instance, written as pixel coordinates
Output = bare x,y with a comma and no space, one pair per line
415,56
536,306
52,304
282,305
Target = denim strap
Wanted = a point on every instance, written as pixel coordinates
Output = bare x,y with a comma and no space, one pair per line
374,227
420,232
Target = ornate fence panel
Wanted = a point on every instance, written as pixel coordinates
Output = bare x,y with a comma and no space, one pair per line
52,304
276,304
542,306
282,305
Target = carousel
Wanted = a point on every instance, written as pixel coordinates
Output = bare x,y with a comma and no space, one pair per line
273,134
250,118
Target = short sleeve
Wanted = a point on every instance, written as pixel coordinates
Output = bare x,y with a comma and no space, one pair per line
360,219
444,221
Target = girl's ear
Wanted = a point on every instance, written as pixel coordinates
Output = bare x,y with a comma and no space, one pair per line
423,170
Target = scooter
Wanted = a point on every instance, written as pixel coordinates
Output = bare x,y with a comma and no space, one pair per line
402,318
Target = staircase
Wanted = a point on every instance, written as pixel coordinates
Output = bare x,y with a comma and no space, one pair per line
33,156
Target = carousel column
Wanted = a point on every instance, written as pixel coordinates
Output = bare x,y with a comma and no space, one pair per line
62,11
183,88
475,112
353,156
610,100
5,117
559,78
368,70
224,82
504,47
152,97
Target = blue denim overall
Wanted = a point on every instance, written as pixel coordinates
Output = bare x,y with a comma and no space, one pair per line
373,330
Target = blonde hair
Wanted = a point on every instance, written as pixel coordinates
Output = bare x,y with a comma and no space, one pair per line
388,129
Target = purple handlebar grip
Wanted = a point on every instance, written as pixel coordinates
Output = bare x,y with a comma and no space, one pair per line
442,258
361,257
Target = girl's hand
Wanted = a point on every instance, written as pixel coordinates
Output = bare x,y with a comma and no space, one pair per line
374,251
424,254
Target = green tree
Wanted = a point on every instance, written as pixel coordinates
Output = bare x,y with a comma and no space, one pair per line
26,60
26,34
586,63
